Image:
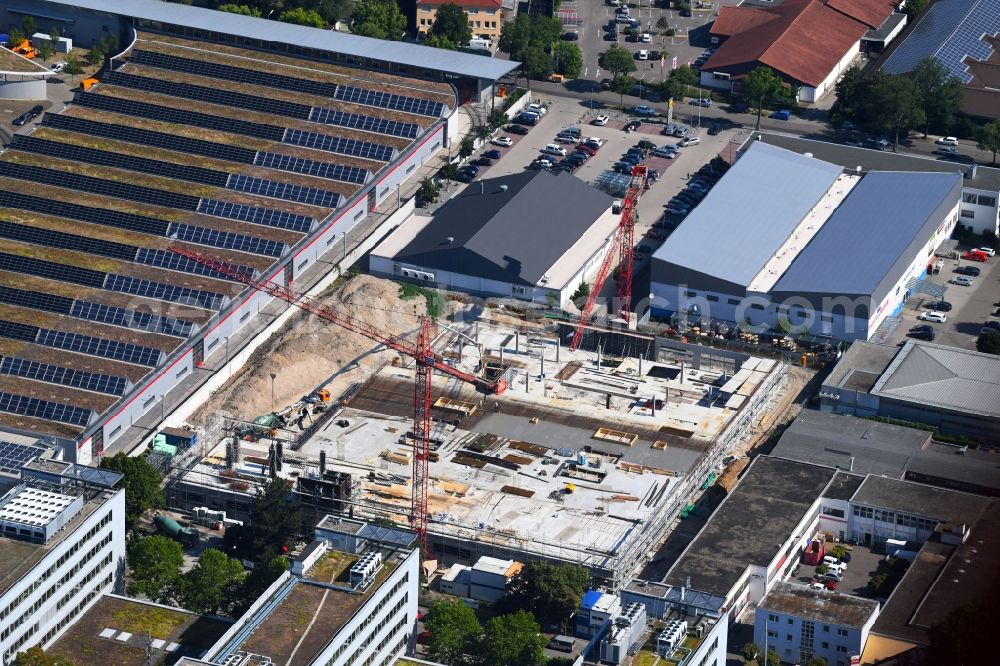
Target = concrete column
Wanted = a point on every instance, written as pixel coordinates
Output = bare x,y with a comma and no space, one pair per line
517,342
640,364
558,347
598,357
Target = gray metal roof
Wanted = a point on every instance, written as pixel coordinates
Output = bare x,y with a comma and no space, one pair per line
452,62
986,178
749,213
880,225
962,380
513,235
941,504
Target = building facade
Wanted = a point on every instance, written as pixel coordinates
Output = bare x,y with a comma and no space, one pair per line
60,553
485,17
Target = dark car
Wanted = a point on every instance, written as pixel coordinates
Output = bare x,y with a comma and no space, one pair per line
921,327
23,119
36,110
516,129
493,154
654,55
631,159
571,36
483,161
622,167
714,129
968,270
940,306
922,334
467,173
739,107
633,126
646,144
686,13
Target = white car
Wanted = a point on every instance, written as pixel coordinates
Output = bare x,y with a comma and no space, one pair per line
988,251
600,120
688,141
642,55
565,138
600,142
504,141
58,67
947,141
646,38
933,315
554,149
817,586
537,108
543,163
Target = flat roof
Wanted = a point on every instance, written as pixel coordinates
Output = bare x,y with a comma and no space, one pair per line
116,629
861,366
843,486
751,524
402,53
749,214
961,380
850,157
942,504
873,235
845,610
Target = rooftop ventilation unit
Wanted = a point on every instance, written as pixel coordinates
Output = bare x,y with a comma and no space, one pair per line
365,569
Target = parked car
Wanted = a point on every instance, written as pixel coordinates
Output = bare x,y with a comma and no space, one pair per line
990,327
646,38
645,144
783,114
622,167
739,107
947,151
541,163
678,210
688,141
968,270
643,110
940,306
670,152
22,119
587,148
58,67
571,36
922,334
565,138
701,101
468,173
632,159
517,129
554,149
817,586
713,130
600,121
933,315
962,280
535,107
483,162
504,141
947,141
974,255
988,251
680,131
493,154
596,140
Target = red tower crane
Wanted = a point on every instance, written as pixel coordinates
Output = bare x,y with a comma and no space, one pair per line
421,351
624,242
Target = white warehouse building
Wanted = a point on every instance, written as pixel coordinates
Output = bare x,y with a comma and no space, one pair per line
794,243
533,236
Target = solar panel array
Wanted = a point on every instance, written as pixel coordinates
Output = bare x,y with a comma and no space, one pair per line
384,100
949,32
225,239
54,374
312,168
163,292
57,239
36,300
270,188
364,123
15,263
335,144
169,114
120,161
264,216
237,100
43,409
140,321
230,73
109,188
88,344
144,137
176,262
17,331
71,211
15,456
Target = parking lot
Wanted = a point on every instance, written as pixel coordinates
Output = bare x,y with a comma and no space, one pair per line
863,565
971,306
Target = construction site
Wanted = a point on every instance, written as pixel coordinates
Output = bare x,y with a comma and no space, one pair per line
534,450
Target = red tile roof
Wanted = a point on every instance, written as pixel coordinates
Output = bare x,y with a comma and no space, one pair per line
804,43
734,20
872,13
464,4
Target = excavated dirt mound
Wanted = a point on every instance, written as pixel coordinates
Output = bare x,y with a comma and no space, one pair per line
309,352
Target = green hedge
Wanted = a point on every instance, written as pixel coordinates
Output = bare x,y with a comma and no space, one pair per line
960,440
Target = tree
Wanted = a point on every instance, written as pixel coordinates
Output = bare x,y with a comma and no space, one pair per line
73,67
95,55
551,592
15,37
989,138
529,39
877,583
141,482
239,9
893,103
453,628
569,59
211,586
45,50
582,292
274,522
428,191
513,640
333,10
496,119
850,92
449,171
760,86
155,562
536,64
617,60
914,7
29,25
36,657
750,652
772,658
466,146
662,23
440,42
452,22
621,85
817,661
381,19
302,16
942,93
989,342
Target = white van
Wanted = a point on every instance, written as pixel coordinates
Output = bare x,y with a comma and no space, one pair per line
554,149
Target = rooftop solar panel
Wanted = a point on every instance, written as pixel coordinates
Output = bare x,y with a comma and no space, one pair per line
176,262
36,300
43,409
287,191
364,123
51,270
334,144
15,456
111,218
57,239
163,292
88,344
313,168
209,95
224,239
17,331
264,216
169,114
384,100
54,374
144,137
134,319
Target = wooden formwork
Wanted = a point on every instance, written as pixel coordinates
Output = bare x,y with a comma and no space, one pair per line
461,406
616,436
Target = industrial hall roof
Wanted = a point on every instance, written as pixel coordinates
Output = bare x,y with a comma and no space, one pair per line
403,53
512,229
752,210
894,212
947,377
804,40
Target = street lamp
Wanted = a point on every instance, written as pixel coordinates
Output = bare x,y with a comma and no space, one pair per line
272,390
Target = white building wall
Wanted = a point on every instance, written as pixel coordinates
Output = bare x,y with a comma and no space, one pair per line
827,85
980,210
713,648
383,623
14,87
833,517
785,635
50,595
